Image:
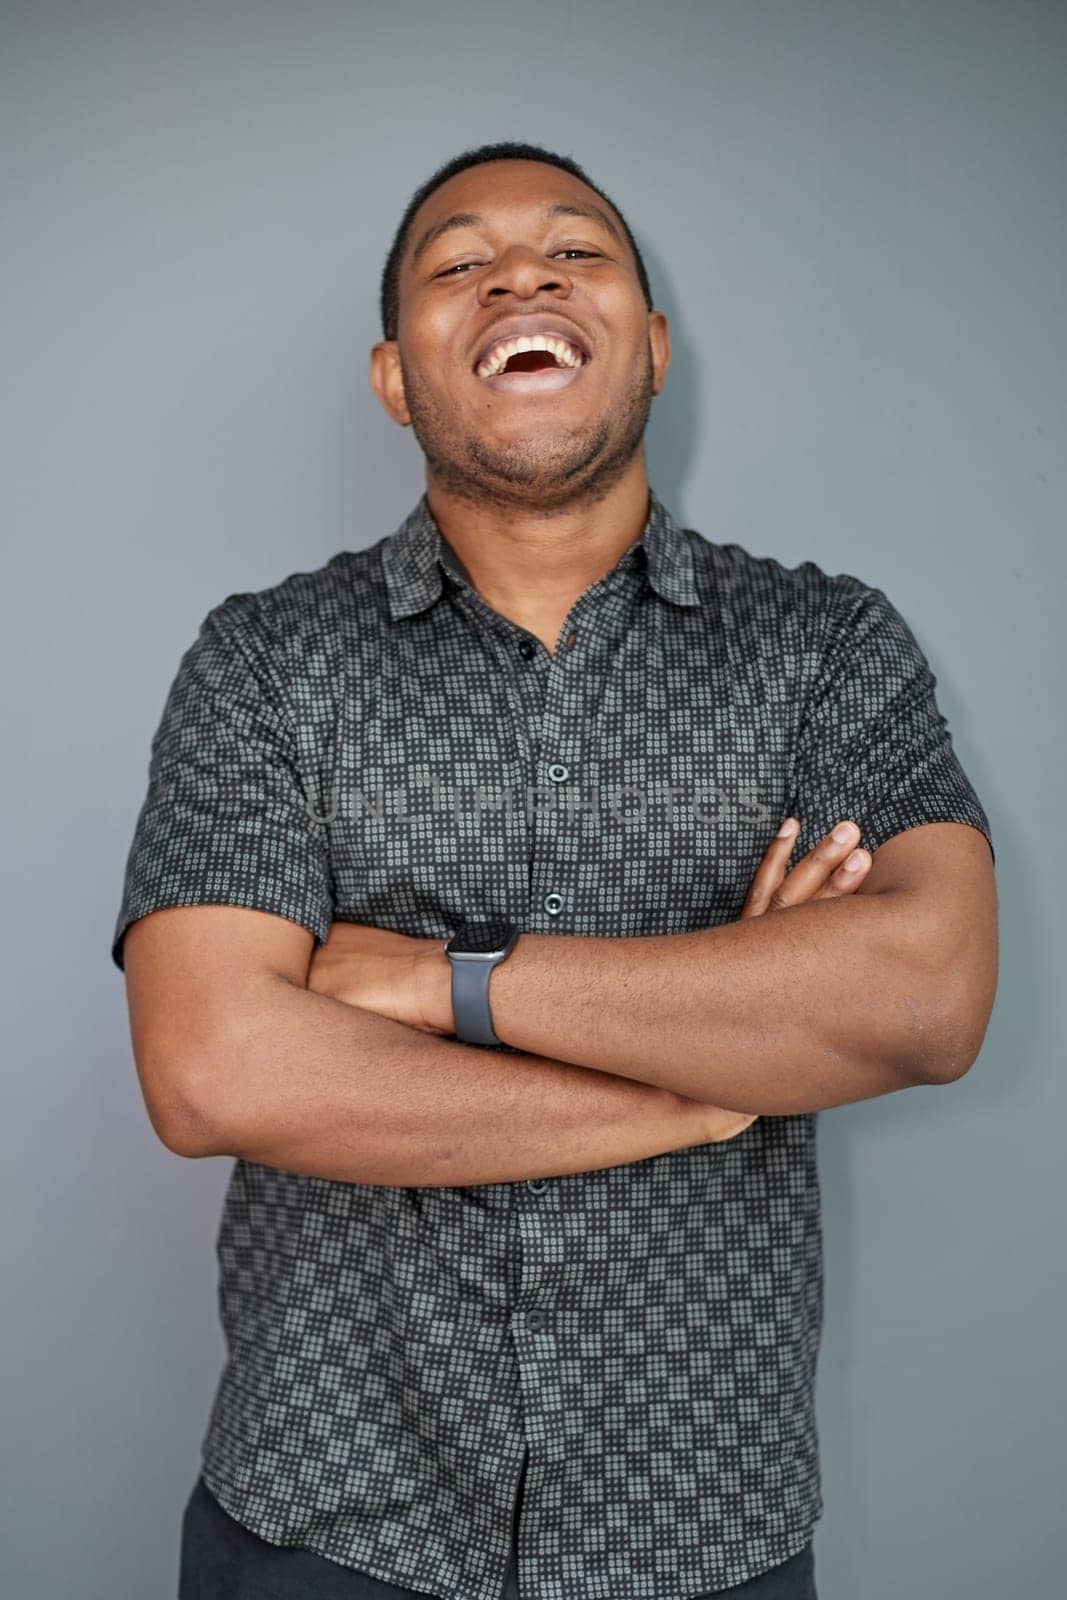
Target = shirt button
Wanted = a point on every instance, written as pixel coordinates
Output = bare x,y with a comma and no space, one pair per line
569,640
558,772
526,648
538,1185
553,904
536,1318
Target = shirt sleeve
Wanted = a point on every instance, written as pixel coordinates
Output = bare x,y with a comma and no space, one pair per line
873,744
227,819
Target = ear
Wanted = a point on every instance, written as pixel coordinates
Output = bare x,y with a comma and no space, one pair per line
659,339
387,380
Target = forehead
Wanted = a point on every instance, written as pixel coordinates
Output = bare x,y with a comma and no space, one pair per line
503,191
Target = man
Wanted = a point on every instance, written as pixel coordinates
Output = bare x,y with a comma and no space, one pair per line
458,913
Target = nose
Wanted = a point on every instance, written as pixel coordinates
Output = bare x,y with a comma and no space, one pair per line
524,273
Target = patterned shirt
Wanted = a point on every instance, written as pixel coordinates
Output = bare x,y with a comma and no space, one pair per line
372,742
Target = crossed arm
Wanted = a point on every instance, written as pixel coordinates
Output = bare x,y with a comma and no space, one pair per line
845,998
626,1047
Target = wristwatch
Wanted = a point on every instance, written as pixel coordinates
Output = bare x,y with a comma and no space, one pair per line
474,950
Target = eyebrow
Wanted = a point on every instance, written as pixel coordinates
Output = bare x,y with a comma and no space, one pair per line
472,219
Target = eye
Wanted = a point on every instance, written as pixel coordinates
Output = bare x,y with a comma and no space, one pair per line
568,250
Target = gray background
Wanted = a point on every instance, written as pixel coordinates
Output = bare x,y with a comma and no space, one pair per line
854,217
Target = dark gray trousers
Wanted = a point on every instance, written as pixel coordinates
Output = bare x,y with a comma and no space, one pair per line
221,1560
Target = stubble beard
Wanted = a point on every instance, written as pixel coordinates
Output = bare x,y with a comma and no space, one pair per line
551,473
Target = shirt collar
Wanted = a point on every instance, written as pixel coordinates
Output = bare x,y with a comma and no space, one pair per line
416,554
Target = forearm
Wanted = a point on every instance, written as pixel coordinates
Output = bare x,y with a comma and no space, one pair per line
308,1084
816,1006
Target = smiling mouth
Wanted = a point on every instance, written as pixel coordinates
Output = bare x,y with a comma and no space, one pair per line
531,363
537,371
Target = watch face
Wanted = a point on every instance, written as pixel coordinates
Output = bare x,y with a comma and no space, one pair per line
481,938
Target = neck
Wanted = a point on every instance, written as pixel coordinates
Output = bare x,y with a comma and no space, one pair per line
531,564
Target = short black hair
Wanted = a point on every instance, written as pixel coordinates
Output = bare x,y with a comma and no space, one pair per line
390,286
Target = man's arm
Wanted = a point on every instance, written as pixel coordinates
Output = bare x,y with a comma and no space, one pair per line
836,1001
236,1057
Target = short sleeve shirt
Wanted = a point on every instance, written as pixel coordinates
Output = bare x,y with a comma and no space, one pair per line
370,741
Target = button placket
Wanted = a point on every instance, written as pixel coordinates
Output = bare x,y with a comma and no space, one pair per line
545,821
540,1258
526,694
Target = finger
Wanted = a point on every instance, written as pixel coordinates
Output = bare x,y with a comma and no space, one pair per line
771,870
848,877
813,871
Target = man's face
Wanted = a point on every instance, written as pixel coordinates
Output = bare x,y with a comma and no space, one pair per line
535,428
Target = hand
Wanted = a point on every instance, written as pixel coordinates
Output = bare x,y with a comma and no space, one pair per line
820,875
824,873
393,974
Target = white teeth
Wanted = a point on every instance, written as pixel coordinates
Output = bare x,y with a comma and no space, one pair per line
501,353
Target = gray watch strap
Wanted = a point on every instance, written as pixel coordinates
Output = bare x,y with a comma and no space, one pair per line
470,1001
